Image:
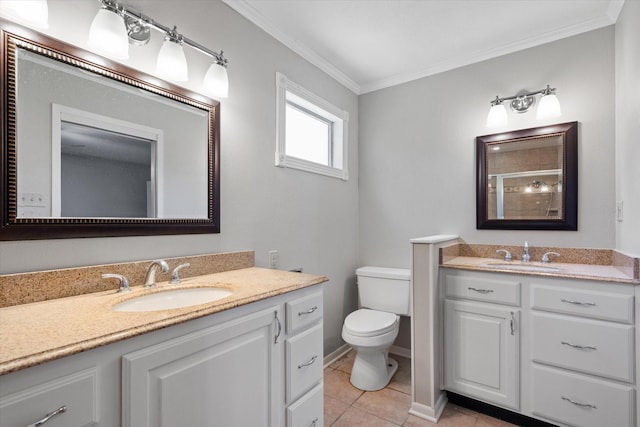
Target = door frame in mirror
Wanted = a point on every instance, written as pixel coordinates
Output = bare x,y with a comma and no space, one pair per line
12,37
569,221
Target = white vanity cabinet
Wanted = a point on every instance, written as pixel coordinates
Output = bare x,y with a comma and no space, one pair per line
582,352
222,370
571,359
482,338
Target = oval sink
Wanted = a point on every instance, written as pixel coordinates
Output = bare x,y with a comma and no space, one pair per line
523,267
168,300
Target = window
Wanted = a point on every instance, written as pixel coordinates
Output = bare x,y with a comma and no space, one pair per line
311,132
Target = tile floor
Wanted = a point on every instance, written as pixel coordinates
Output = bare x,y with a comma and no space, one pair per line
346,406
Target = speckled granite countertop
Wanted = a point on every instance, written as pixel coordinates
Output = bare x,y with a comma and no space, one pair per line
38,332
606,273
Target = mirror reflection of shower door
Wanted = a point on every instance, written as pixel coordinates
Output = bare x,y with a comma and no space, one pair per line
108,168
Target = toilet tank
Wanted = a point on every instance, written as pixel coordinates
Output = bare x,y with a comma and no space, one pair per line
385,289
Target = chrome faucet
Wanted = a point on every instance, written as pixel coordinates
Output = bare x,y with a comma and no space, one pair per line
525,253
124,283
545,257
150,278
507,254
175,274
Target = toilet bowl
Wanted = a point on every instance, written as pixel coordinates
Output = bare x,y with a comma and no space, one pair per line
371,330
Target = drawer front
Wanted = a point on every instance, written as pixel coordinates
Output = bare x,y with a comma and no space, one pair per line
304,362
579,400
483,289
303,312
590,346
597,305
75,392
308,410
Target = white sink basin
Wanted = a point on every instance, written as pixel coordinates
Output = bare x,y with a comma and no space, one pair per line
176,298
523,267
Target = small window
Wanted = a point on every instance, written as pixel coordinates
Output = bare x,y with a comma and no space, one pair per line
311,132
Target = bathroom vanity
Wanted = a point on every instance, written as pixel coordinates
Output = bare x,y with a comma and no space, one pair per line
253,358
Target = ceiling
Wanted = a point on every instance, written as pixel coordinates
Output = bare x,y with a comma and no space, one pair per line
372,44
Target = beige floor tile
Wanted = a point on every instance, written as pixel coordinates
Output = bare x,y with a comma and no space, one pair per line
354,417
401,380
345,363
413,421
389,404
333,408
337,385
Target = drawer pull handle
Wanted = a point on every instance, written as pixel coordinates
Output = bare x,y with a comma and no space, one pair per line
310,362
582,405
482,291
279,325
568,301
50,415
313,423
512,323
311,310
581,347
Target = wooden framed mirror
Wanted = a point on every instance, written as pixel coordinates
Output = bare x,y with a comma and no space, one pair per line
92,148
528,179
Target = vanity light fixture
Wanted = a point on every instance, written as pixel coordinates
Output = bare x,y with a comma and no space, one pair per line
549,106
171,63
29,12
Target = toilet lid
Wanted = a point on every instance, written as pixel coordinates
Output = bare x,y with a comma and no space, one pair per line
366,323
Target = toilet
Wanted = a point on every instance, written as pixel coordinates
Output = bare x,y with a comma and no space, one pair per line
384,295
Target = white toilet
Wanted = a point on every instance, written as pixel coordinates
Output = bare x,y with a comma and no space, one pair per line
384,295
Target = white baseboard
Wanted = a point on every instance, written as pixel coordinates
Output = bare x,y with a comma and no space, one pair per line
428,413
400,351
335,355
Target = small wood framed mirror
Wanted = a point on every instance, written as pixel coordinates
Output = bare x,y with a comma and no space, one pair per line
528,179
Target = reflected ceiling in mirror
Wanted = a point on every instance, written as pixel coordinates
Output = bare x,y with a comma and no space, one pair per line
92,148
527,179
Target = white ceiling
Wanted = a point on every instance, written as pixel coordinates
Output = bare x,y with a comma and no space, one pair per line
372,44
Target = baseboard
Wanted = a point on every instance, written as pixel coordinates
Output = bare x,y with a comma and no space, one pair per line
428,413
400,351
336,354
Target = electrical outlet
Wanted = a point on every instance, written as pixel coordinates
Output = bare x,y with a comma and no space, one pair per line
273,259
619,211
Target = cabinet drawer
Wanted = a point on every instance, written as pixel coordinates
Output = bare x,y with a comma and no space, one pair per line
594,304
76,392
483,289
591,346
304,362
579,400
303,312
308,410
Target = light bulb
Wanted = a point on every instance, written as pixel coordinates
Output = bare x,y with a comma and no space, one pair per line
216,81
28,12
549,107
108,35
171,63
497,116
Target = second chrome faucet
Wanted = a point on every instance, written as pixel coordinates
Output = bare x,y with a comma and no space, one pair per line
150,278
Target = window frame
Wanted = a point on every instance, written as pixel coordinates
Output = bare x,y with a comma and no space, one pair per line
290,93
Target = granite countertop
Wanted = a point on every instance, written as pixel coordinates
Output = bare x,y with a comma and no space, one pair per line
606,273
42,331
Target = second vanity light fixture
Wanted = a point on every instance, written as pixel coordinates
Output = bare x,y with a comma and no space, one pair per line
116,25
549,106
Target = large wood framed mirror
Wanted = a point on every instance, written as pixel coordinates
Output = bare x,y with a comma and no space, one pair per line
528,179
92,148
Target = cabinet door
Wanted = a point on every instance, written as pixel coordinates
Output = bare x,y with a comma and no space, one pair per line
481,352
221,376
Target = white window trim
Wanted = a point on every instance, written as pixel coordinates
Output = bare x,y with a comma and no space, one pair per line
310,101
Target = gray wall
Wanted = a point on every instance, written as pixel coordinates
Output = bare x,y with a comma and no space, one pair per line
628,126
310,219
417,147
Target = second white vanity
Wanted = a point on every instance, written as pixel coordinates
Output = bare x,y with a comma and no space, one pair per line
561,350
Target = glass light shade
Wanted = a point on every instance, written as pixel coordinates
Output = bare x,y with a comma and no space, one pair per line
216,81
497,116
549,107
171,63
108,35
29,12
